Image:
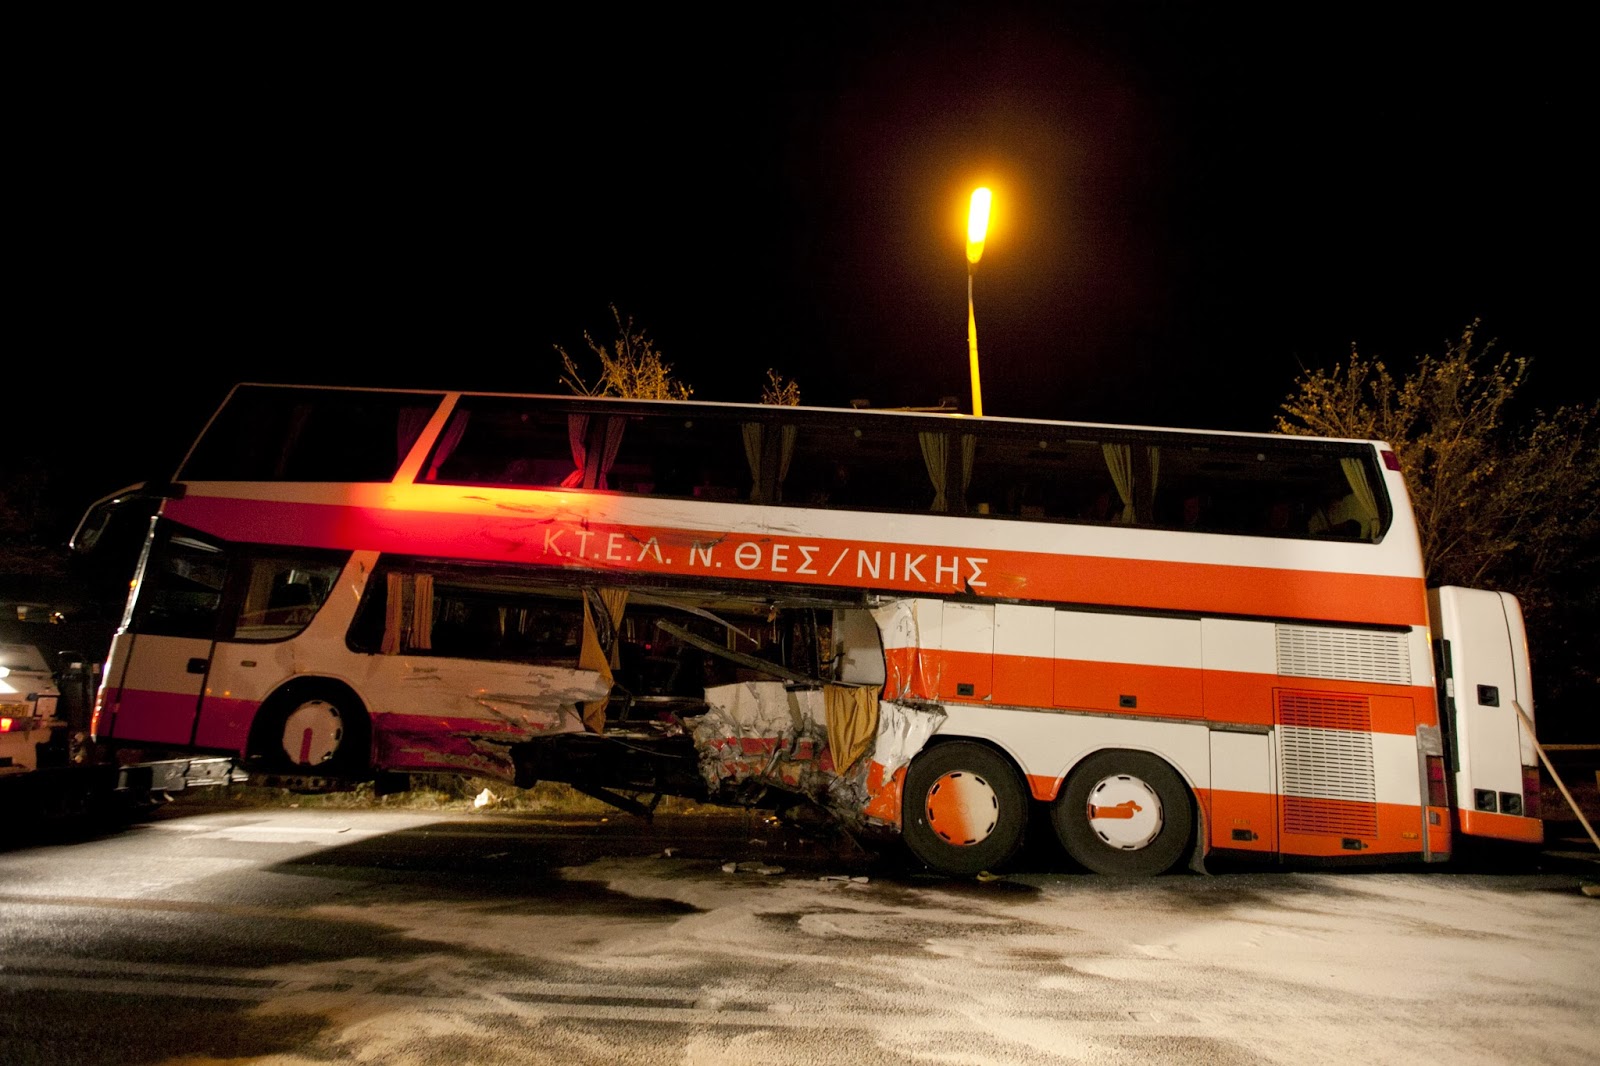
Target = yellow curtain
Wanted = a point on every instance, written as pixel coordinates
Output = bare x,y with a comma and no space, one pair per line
1364,502
394,608
591,656
852,712
422,614
936,455
1119,460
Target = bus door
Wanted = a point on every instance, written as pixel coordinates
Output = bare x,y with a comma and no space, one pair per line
272,596
1483,665
156,670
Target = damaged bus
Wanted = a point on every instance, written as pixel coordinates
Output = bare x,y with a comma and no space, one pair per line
1169,643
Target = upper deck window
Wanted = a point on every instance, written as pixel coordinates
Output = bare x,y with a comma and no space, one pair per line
266,433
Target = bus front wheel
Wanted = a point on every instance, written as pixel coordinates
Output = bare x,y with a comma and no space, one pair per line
964,808
316,733
1124,813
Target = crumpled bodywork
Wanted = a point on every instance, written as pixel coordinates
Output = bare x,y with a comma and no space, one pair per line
480,722
765,734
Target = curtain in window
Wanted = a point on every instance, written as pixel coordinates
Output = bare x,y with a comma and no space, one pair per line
407,428
969,451
787,435
750,433
608,456
422,613
753,436
394,607
577,439
447,443
1363,505
1153,453
593,656
936,457
1119,460
407,613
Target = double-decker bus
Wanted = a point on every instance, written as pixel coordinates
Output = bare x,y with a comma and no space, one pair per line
1175,643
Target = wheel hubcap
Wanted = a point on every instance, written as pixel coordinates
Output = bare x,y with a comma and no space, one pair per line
1125,812
962,808
311,734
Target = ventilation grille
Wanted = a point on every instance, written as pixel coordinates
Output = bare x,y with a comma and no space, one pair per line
1344,654
1329,817
1324,710
1329,784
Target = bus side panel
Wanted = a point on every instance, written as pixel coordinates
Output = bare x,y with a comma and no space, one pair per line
1047,745
152,697
1133,664
1243,811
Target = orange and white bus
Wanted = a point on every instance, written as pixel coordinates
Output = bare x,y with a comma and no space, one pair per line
1178,643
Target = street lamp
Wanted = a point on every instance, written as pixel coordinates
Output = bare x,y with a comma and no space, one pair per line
977,228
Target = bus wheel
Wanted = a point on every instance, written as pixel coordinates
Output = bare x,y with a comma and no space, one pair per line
1124,813
964,808
316,735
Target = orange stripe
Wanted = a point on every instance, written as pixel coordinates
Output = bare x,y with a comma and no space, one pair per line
1230,812
524,527
1168,691
1399,832
1502,826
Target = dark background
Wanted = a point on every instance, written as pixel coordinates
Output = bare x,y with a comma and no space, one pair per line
1193,203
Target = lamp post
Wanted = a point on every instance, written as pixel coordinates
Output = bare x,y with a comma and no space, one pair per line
977,228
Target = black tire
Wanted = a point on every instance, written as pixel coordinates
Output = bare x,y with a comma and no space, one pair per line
964,809
1150,841
331,729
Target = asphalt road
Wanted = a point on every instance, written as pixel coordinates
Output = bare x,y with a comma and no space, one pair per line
289,937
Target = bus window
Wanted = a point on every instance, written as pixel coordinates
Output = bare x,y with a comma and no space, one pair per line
266,433
281,593
416,609
180,590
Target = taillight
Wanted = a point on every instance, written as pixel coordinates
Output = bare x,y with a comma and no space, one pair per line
1530,791
5,725
94,717
1438,795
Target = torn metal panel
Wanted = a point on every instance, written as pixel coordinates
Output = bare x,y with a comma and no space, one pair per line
762,730
902,731
464,717
427,751
912,632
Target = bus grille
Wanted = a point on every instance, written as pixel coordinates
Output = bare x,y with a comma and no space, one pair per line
1329,784
1343,654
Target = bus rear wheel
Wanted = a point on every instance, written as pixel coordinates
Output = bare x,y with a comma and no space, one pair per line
1124,813
964,809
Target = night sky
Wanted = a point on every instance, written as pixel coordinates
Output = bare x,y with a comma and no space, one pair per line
1191,203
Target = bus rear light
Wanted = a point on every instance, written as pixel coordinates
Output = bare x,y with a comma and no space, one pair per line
1437,794
1531,783
5,725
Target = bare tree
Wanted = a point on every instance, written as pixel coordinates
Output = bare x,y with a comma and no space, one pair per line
630,366
784,392
1499,504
